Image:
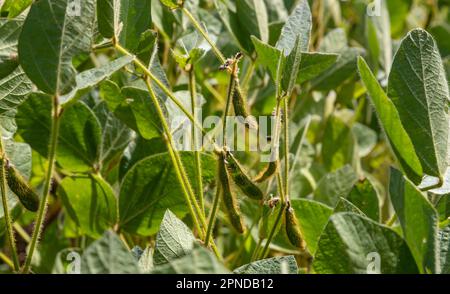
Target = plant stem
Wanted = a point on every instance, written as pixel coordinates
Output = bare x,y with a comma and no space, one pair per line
286,148
200,29
7,261
47,185
22,233
195,138
231,89
8,220
213,214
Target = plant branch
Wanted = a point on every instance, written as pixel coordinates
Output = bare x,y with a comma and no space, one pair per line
47,185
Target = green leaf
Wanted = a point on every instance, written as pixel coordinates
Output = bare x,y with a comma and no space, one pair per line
90,202
270,266
14,89
268,56
199,261
338,145
444,240
346,206
366,139
9,36
145,261
59,33
108,255
313,64
79,136
253,13
298,25
291,68
335,185
389,119
420,233
115,134
419,90
313,217
107,17
64,261
172,4
353,244
15,7
173,241
151,187
89,78
364,196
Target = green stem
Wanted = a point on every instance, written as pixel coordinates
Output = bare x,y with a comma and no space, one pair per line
47,185
231,89
7,260
197,158
286,148
202,31
8,219
213,215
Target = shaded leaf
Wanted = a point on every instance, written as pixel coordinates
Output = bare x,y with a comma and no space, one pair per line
270,266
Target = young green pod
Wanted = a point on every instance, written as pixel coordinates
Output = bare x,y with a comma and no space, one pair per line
241,179
18,185
241,108
293,229
268,172
229,198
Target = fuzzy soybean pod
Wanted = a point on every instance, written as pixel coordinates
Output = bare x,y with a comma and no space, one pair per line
293,229
229,198
241,179
268,172
240,106
18,185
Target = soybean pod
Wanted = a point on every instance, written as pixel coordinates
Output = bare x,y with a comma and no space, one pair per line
229,197
241,179
293,228
268,172
18,185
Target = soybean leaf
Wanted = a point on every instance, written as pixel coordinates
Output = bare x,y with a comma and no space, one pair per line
151,187
314,64
79,136
313,217
389,119
355,244
364,196
291,68
9,35
174,239
346,206
335,185
145,260
90,202
59,33
253,13
420,233
444,241
172,4
338,146
64,262
15,7
89,78
108,255
366,139
199,261
14,89
270,266
298,25
419,90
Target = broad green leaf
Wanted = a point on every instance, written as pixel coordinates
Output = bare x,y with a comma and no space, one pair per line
89,78
390,122
335,185
270,266
364,196
14,89
108,12
173,241
253,13
108,255
79,135
151,187
8,125
9,36
298,25
420,233
353,244
145,260
199,261
338,145
291,68
346,206
419,90
115,134
59,32
313,64
15,7
90,202
268,56
366,138
313,217
444,240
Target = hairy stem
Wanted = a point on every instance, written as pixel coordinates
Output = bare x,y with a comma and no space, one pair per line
7,216
47,185
213,214
286,148
195,139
